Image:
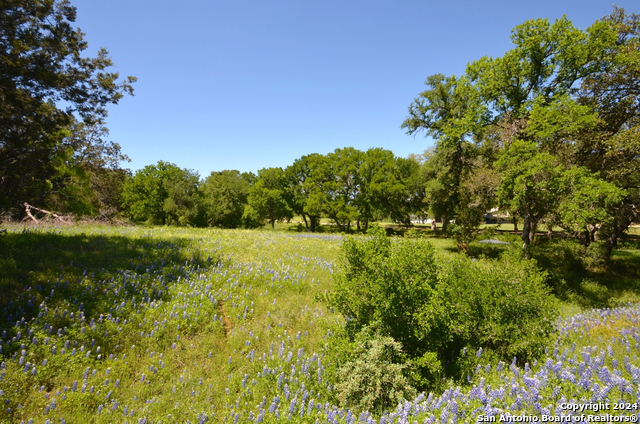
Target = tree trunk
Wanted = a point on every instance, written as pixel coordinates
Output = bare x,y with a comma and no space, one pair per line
312,223
306,224
617,230
612,241
515,223
586,237
593,233
526,236
433,225
335,219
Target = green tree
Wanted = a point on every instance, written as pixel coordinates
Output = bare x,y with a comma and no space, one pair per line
163,194
268,197
384,189
305,178
612,148
573,94
342,186
42,67
183,204
478,194
546,63
587,204
386,285
531,95
450,111
88,178
436,309
530,185
225,195
349,185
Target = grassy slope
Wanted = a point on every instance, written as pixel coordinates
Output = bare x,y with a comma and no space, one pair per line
176,325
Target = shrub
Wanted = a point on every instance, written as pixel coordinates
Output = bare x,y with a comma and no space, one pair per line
388,285
503,305
373,379
437,306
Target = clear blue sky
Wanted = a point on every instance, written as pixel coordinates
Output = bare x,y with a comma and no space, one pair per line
246,84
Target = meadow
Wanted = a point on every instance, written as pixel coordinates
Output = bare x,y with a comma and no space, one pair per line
131,324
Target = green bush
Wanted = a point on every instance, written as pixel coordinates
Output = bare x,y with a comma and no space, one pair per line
389,285
503,305
595,255
438,306
373,379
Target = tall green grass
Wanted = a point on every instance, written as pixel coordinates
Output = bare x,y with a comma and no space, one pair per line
122,324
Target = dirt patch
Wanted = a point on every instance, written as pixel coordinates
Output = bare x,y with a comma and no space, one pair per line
226,323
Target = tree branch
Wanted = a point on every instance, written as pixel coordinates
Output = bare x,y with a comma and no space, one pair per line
28,207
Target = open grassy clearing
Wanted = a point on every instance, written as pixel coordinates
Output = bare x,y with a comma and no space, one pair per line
122,324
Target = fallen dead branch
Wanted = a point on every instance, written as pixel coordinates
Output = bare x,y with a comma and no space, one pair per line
48,214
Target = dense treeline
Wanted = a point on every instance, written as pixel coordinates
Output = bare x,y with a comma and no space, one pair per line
549,133
351,187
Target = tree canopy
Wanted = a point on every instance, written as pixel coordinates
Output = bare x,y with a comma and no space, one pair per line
50,94
268,197
563,102
163,194
224,196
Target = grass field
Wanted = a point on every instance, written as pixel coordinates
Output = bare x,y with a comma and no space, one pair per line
128,324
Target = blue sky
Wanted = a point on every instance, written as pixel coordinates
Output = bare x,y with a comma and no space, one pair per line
251,84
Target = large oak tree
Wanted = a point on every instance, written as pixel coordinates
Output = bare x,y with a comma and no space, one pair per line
561,102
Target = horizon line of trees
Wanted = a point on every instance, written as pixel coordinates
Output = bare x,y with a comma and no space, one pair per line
549,132
349,186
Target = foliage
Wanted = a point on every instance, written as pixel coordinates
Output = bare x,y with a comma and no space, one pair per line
225,195
43,66
437,308
588,204
501,305
342,187
268,198
386,188
449,111
163,194
373,380
389,285
561,99
350,186
477,195
530,185
305,179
